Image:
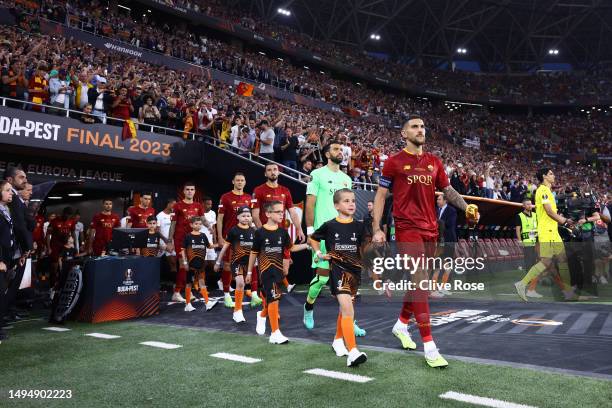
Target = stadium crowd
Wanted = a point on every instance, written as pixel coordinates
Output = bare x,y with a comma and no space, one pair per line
144,31
65,73
542,86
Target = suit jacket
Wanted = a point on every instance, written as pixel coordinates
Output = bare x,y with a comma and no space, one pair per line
23,236
7,240
449,218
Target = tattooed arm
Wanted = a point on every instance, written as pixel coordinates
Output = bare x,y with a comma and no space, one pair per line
454,198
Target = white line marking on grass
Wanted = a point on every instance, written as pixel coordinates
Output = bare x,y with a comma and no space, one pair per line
339,375
476,400
236,357
102,336
27,320
56,329
159,344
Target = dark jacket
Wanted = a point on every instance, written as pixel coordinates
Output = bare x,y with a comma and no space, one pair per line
7,240
20,226
449,218
92,96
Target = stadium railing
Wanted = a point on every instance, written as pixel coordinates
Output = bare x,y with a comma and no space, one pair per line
297,175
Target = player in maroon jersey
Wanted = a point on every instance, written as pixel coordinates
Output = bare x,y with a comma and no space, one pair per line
272,191
413,176
101,228
58,232
226,219
183,210
138,214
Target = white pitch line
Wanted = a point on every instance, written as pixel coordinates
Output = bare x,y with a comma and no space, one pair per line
102,336
236,357
476,400
159,344
56,329
339,375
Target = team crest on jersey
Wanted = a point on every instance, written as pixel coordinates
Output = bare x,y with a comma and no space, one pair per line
282,195
430,167
267,241
233,202
337,236
240,236
407,167
354,238
280,240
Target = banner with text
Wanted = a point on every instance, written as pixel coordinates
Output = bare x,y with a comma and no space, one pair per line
39,130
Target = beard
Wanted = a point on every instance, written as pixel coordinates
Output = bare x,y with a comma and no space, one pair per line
416,142
337,159
272,178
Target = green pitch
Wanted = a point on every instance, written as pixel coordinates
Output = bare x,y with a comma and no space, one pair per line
123,373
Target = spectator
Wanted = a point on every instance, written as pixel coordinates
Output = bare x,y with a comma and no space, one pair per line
86,116
100,98
149,113
122,106
289,149
266,139
38,88
245,145
60,91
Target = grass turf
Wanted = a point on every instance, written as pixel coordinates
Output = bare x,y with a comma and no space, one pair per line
121,372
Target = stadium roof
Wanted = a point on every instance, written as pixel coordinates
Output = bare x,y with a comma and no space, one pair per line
512,33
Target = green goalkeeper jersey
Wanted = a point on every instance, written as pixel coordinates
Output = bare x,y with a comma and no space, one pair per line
323,185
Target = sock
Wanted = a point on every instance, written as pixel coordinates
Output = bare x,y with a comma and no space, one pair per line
533,272
339,327
264,305
181,277
406,312
316,284
238,303
273,315
557,279
435,276
254,280
196,285
421,313
204,293
285,282
429,346
533,284
348,332
565,275
187,295
226,279
445,277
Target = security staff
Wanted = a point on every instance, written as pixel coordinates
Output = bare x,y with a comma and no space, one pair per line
527,232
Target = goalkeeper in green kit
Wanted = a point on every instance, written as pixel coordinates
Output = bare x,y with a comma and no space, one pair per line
320,209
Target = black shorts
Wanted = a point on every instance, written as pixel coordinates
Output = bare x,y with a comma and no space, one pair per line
343,282
238,270
194,273
270,281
